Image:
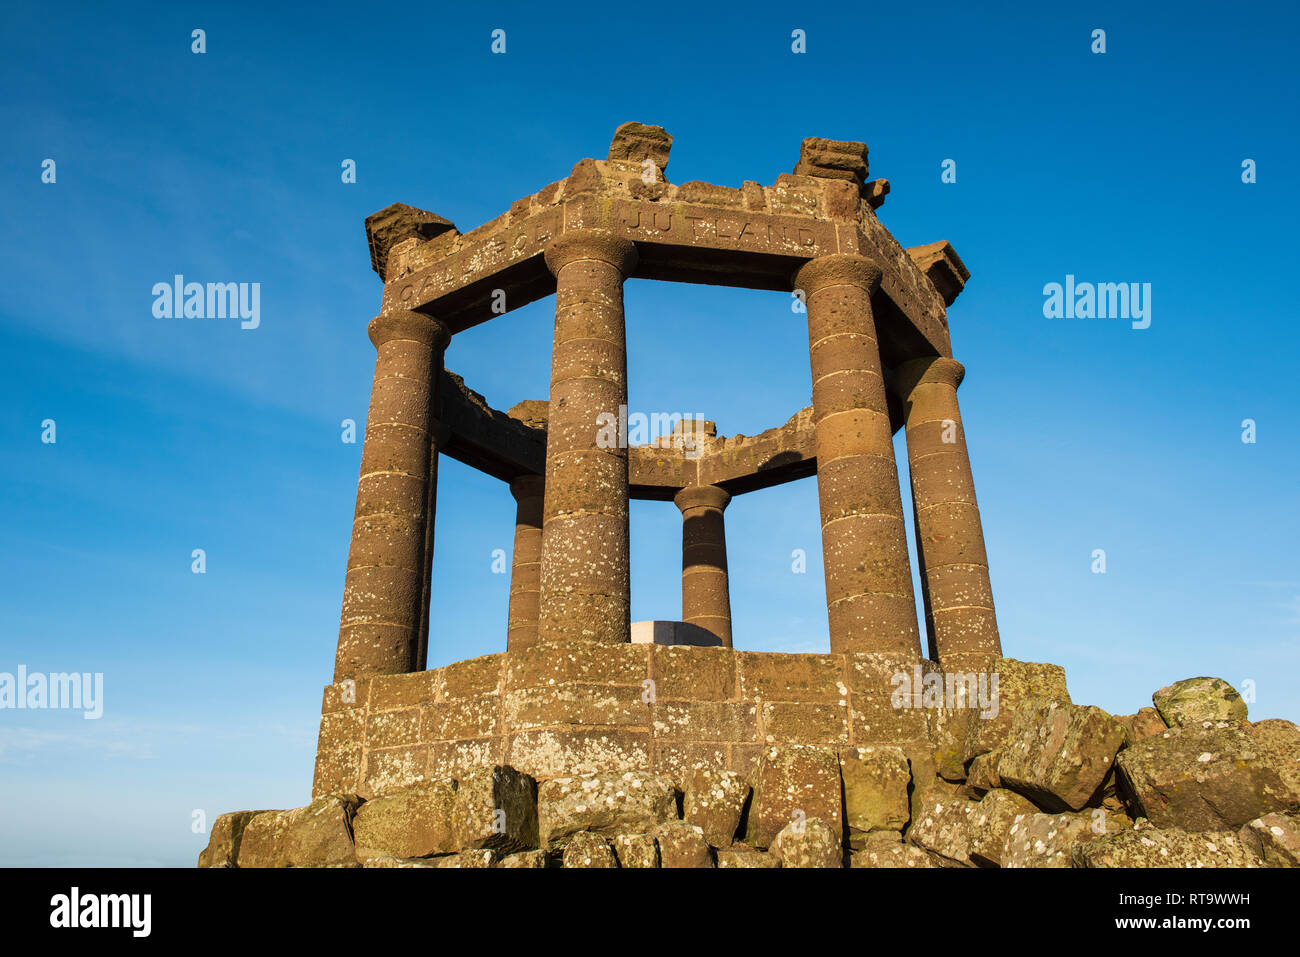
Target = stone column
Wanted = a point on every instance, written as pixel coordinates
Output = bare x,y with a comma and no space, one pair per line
963,629
585,592
381,624
864,539
526,562
706,600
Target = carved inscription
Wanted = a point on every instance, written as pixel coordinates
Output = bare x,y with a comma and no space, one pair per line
473,262
730,229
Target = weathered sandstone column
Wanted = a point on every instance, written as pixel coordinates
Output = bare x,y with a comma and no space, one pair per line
864,539
706,600
526,561
380,629
585,592
963,629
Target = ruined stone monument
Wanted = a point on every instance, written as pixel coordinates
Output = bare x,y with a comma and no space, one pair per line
572,743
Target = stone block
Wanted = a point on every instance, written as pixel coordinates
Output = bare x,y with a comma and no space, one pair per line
948,729
585,849
608,804
341,729
1142,724
982,775
1058,754
682,845
1047,840
1165,847
1203,778
1280,743
395,692
398,862
892,854
1018,681
336,772
496,808
721,721
784,677
714,801
475,858
471,678
1195,700
524,859
880,720
548,665
453,759
1274,838
392,729
576,703
412,822
318,835
636,850
942,826
681,759
391,769
796,722
810,843
876,782
793,782
223,842
740,855
548,753
473,716
697,674
347,695
992,822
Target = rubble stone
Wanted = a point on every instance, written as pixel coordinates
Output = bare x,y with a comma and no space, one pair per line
495,807
991,824
1164,847
714,801
1274,838
318,835
586,849
682,845
810,843
1058,754
875,791
608,804
793,782
1203,778
636,850
412,822
223,842
1195,700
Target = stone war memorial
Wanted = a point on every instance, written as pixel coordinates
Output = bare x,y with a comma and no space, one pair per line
584,740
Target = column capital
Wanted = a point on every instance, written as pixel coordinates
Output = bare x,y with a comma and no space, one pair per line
527,486
930,370
837,269
702,496
414,326
588,244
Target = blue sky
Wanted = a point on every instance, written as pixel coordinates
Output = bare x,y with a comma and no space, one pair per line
225,166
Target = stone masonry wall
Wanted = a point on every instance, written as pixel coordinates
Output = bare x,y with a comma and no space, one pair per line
551,711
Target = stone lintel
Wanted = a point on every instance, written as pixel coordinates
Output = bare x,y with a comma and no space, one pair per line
508,445
753,237
483,438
